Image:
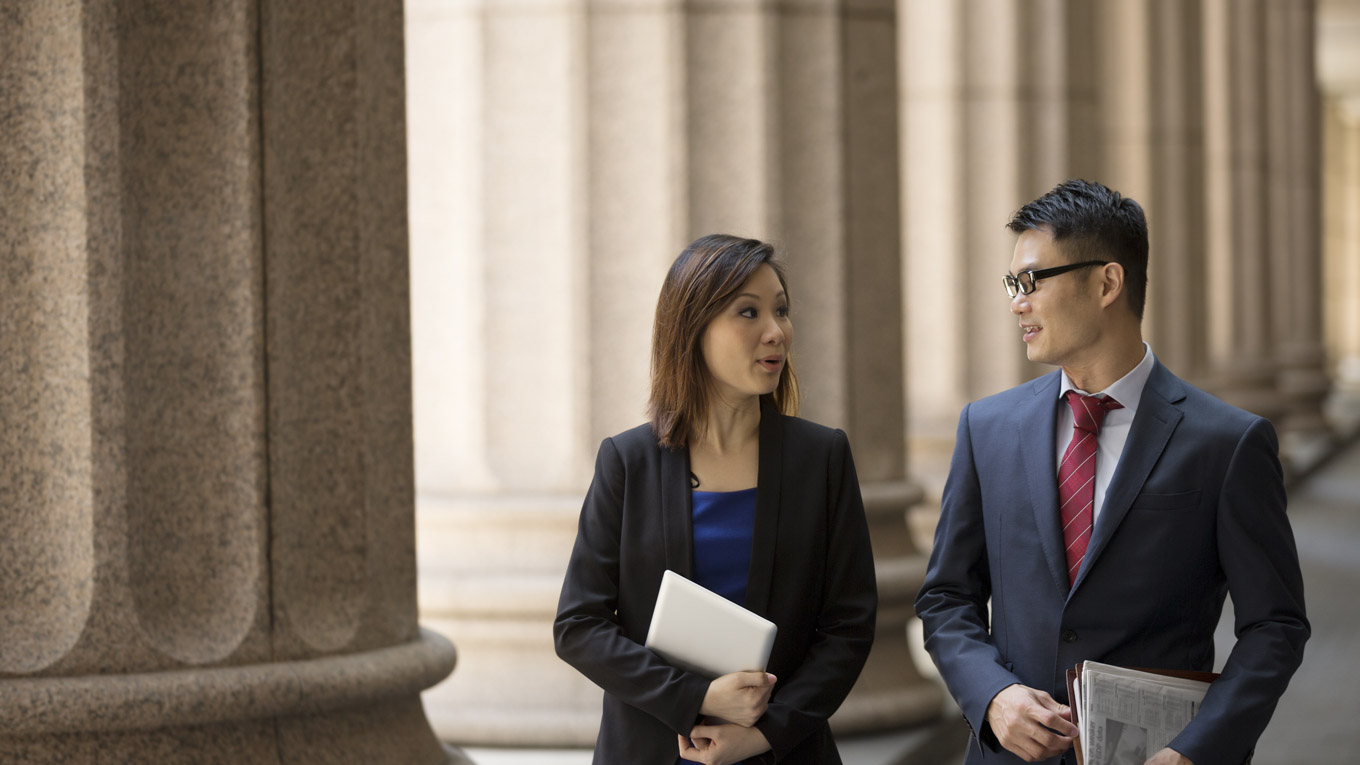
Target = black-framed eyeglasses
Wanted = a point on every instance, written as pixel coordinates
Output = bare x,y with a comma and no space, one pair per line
1023,282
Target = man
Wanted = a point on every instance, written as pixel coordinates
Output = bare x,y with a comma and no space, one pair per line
1106,523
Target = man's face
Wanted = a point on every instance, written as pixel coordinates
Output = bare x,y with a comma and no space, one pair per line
1061,319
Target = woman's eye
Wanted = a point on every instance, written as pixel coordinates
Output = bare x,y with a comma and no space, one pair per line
782,311
749,313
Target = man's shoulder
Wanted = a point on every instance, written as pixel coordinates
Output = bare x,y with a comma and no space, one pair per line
1023,395
1203,409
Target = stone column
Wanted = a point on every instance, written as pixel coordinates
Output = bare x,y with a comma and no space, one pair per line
1241,330
997,108
207,453
836,132
1151,142
1296,252
501,306
1341,250
562,162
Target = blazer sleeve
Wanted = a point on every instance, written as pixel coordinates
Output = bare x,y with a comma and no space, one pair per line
952,603
587,633
803,700
1261,564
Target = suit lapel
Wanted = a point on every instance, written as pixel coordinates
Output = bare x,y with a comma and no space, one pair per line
1037,431
769,476
1152,428
677,523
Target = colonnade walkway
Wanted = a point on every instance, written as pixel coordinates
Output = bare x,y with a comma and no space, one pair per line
1317,721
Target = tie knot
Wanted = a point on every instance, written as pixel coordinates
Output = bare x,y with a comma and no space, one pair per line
1089,411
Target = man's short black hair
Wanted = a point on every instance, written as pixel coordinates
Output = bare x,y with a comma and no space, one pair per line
1090,221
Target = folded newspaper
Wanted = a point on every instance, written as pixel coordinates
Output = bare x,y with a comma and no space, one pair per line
1127,715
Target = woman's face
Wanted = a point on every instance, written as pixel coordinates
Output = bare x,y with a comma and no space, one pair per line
747,344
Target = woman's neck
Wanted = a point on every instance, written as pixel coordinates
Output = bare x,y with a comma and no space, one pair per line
729,427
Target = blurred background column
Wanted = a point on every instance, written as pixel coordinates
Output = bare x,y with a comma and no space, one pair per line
1295,219
206,453
998,107
1242,352
563,154
1150,105
1338,65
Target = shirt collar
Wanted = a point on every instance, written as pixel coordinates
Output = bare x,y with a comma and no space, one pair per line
1127,390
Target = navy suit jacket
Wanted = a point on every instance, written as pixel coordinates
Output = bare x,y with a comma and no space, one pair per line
1195,509
811,573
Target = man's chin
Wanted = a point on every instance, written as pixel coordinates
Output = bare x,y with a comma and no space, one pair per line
1037,355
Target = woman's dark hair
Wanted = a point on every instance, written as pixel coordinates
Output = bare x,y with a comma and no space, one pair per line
1089,221
701,282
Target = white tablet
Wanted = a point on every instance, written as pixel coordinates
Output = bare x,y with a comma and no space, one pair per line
701,631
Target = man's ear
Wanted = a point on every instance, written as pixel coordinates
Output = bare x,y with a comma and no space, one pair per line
1111,283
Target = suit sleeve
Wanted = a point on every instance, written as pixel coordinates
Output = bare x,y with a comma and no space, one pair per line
1261,565
952,603
805,699
587,633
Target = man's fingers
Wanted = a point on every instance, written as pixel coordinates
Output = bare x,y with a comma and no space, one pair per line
1056,722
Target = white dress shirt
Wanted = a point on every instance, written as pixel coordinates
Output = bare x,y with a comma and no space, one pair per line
1114,432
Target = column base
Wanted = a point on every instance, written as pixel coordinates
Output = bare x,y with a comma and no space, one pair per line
357,708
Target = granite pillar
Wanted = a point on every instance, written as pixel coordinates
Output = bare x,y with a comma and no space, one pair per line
204,342
1341,253
559,165
1243,367
998,107
1152,150
1296,254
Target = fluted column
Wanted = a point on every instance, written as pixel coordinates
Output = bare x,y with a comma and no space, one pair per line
1294,131
504,376
1241,330
206,461
562,163
839,209
1341,248
998,107
1152,148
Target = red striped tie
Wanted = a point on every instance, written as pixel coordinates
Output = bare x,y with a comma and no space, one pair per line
1077,476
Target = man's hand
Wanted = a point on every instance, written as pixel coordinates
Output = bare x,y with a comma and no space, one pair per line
1169,756
722,744
1030,724
740,697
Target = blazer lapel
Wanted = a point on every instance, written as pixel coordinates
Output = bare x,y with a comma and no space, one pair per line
677,523
1037,431
769,476
1152,428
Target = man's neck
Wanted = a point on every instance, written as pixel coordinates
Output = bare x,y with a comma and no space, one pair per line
1123,354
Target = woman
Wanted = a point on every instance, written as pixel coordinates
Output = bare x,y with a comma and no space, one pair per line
727,488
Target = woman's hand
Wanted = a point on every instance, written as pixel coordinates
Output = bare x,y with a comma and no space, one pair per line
722,744
740,697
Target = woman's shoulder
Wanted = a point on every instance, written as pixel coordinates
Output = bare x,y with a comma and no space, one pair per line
803,431
635,443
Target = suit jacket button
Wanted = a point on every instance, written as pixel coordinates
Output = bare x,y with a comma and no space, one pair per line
1068,636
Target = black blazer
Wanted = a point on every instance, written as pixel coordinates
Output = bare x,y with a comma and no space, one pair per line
812,574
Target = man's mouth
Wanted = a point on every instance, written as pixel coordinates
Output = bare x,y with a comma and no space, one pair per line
1030,331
